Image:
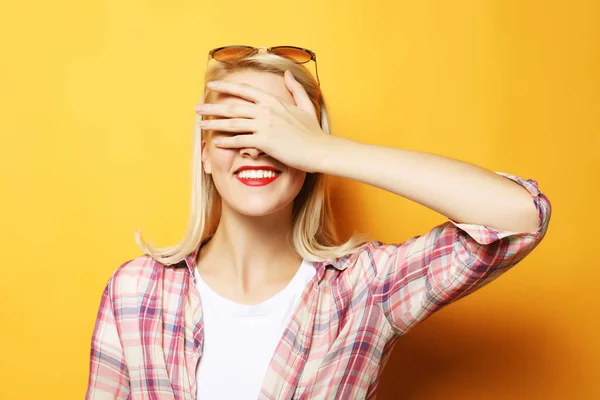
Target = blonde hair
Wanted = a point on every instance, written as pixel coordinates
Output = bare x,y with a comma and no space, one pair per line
313,233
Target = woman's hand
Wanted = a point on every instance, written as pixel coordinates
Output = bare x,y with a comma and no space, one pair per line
291,134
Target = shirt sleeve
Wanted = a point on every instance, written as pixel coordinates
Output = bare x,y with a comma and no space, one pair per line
412,280
108,373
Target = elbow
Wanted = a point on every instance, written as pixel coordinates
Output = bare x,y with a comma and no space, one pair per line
529,215
529,220
535,217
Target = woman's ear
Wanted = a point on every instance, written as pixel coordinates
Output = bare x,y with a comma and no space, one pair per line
204,158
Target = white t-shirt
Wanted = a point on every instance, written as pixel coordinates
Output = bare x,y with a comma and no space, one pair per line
240,339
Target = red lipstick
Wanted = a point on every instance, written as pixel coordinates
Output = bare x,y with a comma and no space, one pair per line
250,181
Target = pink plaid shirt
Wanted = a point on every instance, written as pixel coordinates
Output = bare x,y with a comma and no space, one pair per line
148,335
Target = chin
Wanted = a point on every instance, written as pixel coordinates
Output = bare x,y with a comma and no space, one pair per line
257,207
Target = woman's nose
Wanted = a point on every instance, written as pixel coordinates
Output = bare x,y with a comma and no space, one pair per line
251,152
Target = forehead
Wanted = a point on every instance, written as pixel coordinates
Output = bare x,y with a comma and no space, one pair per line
267,82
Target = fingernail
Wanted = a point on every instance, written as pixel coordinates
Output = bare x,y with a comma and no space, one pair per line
212,84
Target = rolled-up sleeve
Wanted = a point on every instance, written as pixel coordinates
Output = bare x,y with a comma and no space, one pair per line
412,280
108,374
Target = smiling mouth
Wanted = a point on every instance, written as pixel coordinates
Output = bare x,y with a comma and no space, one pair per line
257,174
257,177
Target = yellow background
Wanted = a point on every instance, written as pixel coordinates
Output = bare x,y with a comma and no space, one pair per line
96,107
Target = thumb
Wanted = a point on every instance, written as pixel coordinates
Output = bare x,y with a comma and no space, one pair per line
300,96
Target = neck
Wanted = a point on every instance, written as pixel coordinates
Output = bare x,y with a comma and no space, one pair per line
244,246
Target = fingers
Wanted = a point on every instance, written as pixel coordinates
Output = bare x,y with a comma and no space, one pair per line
300,96
229,125
237,141
228,110
242,90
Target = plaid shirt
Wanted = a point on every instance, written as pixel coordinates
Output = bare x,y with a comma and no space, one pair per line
148,335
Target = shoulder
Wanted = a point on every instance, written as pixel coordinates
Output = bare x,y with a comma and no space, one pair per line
138,276
368,255
360,264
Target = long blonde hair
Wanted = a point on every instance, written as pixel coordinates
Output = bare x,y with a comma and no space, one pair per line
313,233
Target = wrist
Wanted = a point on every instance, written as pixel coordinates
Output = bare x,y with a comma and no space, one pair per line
328,149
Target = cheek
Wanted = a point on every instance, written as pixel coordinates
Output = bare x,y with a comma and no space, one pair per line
297,179
221,161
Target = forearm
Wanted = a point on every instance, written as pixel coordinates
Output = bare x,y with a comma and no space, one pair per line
458,190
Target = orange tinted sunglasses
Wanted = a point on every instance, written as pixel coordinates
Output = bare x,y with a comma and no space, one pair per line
297,54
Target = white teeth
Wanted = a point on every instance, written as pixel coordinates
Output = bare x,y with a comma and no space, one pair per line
256,174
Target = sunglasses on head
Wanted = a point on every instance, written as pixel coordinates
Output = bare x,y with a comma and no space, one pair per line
297,54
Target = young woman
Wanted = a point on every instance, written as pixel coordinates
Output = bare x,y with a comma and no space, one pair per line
261,299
